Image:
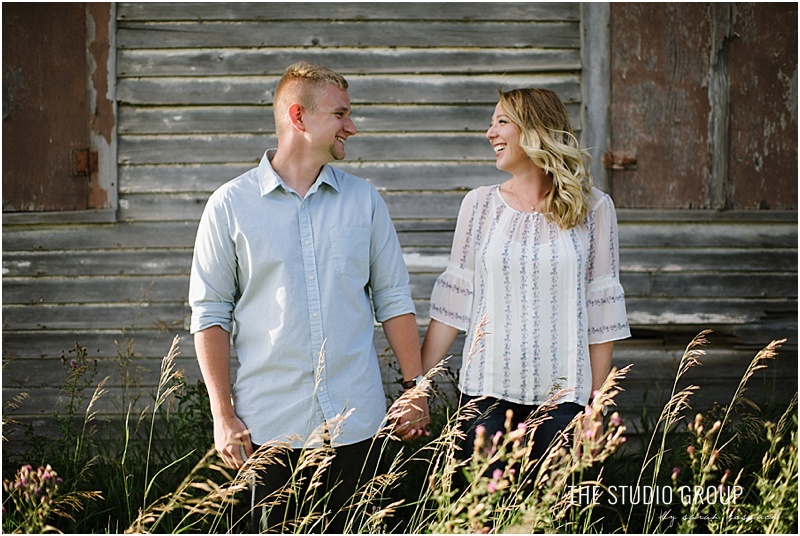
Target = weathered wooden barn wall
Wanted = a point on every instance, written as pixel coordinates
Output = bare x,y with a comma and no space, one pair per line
193,93
194,86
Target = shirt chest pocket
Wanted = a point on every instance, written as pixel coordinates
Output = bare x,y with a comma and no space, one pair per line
350,252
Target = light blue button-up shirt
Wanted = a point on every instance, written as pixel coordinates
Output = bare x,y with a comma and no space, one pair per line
299,282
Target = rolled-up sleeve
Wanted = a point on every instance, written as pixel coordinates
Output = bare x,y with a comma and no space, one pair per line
389,281
605,299
213,281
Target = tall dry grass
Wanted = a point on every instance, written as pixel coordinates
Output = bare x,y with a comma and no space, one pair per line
499,489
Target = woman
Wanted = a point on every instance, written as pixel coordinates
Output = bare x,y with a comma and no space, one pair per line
535,260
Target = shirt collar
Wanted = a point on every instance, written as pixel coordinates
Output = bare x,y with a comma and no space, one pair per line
269,180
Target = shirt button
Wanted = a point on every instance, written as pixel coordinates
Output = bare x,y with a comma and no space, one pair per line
314,315
307,242
311,278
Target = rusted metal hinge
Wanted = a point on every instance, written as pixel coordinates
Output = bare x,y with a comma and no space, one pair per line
84,162
619,162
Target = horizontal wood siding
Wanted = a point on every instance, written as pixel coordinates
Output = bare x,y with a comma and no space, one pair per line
194,110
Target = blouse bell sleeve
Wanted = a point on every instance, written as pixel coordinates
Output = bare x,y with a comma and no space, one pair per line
451,298
605,300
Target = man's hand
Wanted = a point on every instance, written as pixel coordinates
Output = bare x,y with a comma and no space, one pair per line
231,437
409,415
232,441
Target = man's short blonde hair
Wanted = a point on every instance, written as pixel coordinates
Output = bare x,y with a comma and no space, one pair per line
302,83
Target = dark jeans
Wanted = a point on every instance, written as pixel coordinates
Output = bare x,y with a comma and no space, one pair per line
492,416
352,466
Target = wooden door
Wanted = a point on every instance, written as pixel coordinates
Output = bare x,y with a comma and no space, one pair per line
46,162
703,105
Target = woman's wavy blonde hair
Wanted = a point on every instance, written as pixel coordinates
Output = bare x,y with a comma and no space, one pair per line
547,137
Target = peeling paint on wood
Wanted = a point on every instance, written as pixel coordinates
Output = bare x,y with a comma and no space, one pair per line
763,124
704,96
659,104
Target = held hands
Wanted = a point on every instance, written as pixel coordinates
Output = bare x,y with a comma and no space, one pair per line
409,416
232,441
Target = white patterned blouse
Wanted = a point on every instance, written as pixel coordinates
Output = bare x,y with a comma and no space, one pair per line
544,295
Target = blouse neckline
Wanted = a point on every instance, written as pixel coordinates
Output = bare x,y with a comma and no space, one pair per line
507,205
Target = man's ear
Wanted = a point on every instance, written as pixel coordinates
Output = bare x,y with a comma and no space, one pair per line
296,116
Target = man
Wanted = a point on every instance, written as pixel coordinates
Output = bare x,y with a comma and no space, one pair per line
286,260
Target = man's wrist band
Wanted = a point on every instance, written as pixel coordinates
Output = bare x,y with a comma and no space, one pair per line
410,384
